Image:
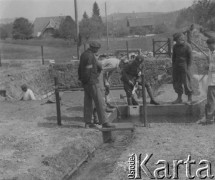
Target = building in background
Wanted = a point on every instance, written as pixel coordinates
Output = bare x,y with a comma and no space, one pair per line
46,26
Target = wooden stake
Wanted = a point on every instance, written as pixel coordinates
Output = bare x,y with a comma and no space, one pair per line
57,96
42,55
107,27
0,60
144,99
77,28
127,50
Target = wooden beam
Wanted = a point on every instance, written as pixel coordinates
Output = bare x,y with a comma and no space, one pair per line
77,28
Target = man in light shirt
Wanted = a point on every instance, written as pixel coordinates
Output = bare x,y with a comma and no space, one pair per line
210,106
109,66
27,94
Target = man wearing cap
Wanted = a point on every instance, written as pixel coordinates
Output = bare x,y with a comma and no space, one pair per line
88,71
181,62
130,76
210,106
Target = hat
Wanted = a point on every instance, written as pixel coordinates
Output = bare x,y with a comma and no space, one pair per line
95,44
211,40
176,36
139,58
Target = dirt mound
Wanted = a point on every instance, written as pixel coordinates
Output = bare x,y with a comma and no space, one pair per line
37,78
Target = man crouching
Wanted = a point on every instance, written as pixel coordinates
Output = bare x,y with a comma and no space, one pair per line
130,76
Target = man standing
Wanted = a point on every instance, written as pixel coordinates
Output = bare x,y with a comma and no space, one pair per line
210,106
88,71
130,76
181,62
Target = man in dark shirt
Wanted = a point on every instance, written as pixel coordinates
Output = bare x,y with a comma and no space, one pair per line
130,76
88,71
181,62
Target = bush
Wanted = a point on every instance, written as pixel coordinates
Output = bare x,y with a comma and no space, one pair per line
161,28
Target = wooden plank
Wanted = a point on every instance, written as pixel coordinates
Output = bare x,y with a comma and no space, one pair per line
119,127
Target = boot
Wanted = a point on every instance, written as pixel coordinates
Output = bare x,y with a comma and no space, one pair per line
134,101
108,125
189,99
178,100
149,90
154,102
129,100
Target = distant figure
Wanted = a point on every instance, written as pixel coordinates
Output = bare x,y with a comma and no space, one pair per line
189,33
27,93
181,62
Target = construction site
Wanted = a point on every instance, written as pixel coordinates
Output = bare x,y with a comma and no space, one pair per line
47,138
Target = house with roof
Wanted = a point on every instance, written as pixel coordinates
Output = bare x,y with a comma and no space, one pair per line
138,25
46,26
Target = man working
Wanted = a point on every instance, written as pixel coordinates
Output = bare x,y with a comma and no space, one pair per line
210,106
27,94
130,76
181,62
109,66
88,71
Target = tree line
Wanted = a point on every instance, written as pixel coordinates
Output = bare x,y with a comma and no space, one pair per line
90,27
201,12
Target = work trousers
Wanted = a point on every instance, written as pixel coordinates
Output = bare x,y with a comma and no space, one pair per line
92,93
210,106
182,77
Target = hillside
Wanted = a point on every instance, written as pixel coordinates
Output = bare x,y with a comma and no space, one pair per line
120,19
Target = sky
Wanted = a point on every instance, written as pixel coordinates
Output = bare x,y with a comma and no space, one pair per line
40,8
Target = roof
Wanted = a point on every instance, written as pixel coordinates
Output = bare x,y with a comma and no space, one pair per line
137,22
41,23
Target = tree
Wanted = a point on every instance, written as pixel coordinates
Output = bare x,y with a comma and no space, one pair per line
201,12
22,29
85,27
67,29
161,28
6,31
97,25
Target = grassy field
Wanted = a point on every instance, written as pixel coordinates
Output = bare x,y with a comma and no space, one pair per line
62,50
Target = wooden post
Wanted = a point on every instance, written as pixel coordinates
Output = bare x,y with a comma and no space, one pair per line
77,28
144,99
169,47
42,55
0,60
107,26
57,96
153,44
127,50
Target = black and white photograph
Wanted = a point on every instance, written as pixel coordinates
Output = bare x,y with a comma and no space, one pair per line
107,89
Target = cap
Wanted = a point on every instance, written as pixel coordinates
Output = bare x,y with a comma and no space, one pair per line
176,36
211,40
94,44
139,58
